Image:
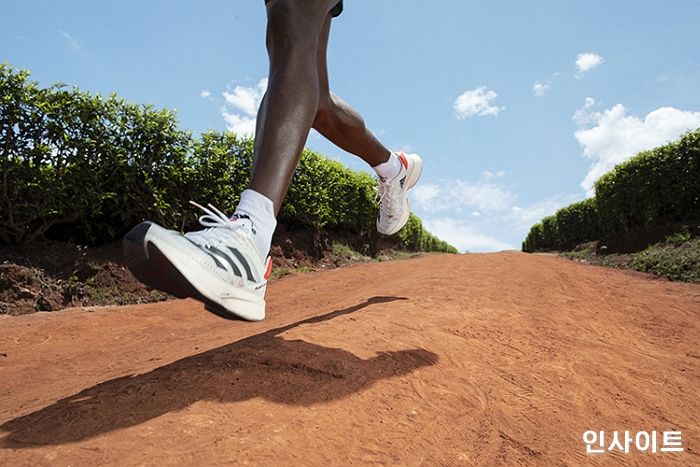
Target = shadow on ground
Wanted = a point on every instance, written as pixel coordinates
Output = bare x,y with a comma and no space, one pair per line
265,365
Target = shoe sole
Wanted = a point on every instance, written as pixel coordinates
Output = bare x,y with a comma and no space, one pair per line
411,179
154,269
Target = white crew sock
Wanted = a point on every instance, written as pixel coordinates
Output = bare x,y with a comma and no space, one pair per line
389,169
261,212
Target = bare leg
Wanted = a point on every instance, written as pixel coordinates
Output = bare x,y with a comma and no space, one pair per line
339,122
298,97
290,104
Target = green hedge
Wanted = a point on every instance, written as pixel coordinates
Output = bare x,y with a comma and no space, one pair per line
653,188
414,237
324,193
89,168
72,159
570,226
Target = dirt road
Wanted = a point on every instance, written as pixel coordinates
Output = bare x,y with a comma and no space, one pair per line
484,359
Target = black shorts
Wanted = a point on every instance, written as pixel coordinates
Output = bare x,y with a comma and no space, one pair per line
335,11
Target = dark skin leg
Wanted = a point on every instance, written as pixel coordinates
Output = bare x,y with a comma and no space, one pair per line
298,97
339,122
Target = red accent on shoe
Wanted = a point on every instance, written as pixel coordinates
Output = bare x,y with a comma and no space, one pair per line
404,161
269,269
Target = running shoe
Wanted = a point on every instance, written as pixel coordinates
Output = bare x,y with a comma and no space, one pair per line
218,266
392,194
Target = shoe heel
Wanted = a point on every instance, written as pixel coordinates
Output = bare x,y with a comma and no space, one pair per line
133,248
151,267
415,173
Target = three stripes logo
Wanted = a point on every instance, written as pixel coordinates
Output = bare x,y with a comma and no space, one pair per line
236,261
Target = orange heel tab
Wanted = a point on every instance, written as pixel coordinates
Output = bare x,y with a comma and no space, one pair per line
269,268
402,158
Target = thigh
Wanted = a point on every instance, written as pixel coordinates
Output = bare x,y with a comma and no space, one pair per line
296,21
307,7
321,61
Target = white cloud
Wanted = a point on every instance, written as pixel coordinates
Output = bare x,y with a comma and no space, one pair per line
404,147
247,99
205,94
74,45
481,216
477,101
242,106
612,136
522,218
539,89
587,61
461,196
425,193
584,116
487,174
241,125
464,236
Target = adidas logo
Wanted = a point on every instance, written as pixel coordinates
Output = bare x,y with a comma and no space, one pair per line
235,262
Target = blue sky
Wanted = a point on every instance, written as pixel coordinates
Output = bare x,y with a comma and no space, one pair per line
515,106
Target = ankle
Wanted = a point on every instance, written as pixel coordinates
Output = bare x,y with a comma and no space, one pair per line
260,211
389,169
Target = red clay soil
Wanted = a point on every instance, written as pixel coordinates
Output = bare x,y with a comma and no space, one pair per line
488,359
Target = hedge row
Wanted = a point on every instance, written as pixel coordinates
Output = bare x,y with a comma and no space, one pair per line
74,160
415,238
653,188
89,168
567,228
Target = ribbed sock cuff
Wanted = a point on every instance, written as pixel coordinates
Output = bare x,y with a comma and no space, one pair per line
261,212
389,169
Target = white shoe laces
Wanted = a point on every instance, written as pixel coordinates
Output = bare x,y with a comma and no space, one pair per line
386,191
219,227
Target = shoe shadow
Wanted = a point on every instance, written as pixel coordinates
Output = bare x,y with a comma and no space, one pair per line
265,365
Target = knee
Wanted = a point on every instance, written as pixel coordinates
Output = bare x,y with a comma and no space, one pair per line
324,112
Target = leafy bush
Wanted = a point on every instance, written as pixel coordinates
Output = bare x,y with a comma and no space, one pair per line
217,172
71,158
89,168
570,226
657,186
676,258
671,260
654,188
533,240
324,193
577,223
414,237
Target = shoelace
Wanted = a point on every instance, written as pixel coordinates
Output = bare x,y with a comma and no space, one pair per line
385,196
218,226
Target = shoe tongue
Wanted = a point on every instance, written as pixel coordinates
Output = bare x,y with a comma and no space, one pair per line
243,221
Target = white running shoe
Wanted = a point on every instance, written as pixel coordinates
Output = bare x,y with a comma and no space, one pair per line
218,266
393,198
